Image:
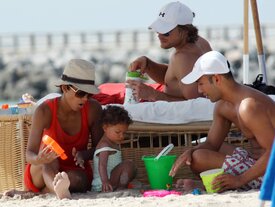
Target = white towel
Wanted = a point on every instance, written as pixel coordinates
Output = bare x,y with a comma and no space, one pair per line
163,112
180,112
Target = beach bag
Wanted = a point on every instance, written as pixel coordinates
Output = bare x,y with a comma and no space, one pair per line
261,86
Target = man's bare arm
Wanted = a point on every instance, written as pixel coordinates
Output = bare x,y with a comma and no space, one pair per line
249,110
156,71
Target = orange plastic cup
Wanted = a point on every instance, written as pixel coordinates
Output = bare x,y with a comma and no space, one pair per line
55,146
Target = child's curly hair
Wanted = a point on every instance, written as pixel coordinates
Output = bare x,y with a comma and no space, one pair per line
115,115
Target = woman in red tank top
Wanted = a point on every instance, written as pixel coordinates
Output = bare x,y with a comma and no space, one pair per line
71,120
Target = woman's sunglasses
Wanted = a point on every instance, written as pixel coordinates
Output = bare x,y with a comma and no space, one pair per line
79,93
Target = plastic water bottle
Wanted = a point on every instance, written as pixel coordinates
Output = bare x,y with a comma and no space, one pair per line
54,146
129,96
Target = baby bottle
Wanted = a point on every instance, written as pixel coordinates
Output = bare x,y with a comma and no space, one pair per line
54,146
129,96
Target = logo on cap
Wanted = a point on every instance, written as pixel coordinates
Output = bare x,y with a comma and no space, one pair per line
162,14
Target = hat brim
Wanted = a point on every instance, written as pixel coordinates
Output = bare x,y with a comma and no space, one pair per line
91,89
161,27
192,77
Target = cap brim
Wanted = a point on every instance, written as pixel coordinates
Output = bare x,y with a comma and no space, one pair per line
192,77
161,27
91,89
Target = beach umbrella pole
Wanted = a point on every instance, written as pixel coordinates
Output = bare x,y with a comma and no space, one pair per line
257,28
245,44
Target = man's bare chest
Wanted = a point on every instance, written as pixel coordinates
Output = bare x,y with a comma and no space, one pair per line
237,121
172,83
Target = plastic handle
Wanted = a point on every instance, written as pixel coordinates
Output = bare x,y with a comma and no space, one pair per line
165,151
55,146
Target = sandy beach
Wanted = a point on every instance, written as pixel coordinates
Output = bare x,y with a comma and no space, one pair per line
134,198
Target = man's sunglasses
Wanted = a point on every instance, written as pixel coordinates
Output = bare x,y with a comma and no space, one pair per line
167,34
79,93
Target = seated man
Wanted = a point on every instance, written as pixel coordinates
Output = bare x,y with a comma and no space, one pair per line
250,110
175,30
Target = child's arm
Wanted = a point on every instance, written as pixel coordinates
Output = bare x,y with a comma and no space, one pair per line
102,168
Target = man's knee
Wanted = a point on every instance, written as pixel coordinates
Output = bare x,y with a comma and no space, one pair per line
204,159
78,182
198,157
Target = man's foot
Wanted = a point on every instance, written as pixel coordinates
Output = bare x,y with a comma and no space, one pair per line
19,193
189,185
61,185
11,193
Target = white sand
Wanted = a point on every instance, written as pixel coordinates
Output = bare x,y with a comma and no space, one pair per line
133,198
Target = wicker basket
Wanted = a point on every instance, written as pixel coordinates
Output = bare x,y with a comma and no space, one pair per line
13,130
141,139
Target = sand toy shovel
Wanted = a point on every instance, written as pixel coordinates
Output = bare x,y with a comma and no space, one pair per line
165,151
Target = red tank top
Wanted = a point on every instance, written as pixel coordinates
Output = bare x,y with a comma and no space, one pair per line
67,142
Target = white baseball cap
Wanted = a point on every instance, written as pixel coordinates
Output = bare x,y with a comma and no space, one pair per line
210,63
171,15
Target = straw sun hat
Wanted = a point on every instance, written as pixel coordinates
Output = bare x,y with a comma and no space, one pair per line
81,74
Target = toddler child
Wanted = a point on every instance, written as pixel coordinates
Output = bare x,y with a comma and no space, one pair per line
110,172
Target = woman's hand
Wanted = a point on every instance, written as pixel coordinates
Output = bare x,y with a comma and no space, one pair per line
78,158
46,155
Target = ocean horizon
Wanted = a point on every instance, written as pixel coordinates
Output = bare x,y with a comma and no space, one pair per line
10,102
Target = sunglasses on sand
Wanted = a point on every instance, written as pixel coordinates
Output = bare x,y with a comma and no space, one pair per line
79,93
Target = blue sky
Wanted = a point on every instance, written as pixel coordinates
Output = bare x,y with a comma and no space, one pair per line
22,16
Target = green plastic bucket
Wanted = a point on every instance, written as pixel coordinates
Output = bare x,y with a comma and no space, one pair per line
158,170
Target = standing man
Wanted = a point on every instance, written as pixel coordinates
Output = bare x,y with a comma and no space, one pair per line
175,30
250,110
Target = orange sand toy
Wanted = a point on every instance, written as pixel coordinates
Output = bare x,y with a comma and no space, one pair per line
55,146
5,106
